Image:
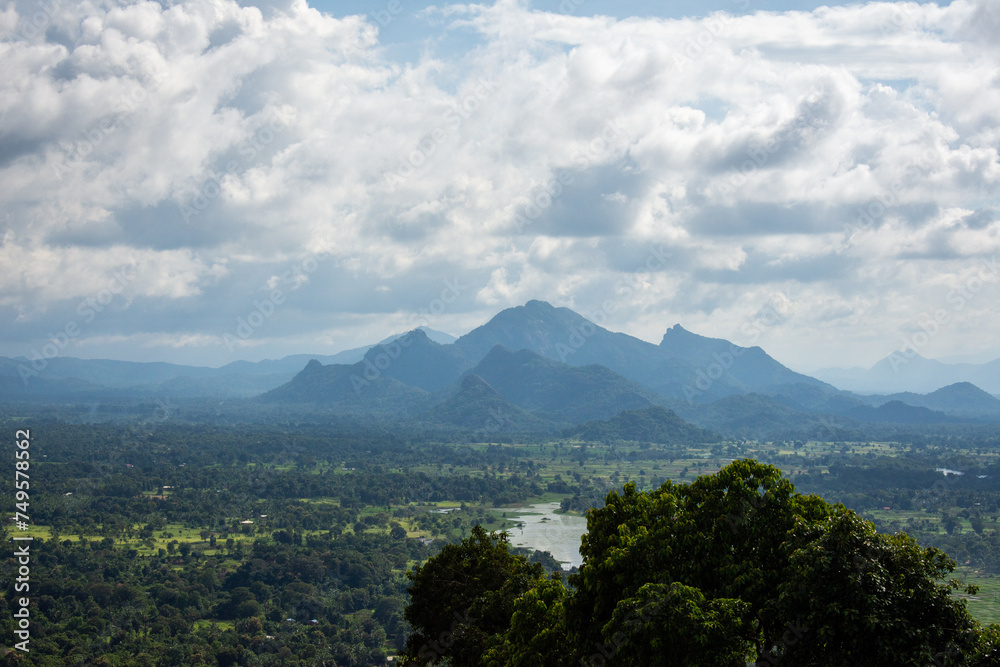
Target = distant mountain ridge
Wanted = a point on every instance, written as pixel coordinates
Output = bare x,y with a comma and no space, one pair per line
529,368
479,407
346,388
898,412
559,391
519,384
959,399
72,378
683,366
656,425
415,359
899,372
561,368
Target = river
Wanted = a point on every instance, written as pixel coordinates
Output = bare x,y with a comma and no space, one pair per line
545,530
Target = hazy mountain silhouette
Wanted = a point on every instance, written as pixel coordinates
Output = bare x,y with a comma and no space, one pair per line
747,415
416,360
539,365
656,424
479,406
345,388
897,412
558,391
960,399
684,364
912,372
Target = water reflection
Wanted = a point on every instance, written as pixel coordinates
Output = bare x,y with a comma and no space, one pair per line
541,528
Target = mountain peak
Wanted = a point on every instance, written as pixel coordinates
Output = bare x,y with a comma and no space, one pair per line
536,326
965,396
674,332
412,338
438,337
679,337
960,386
416,334
900,358
472,382
655,424
415,359
479,406
561,392
389,339
501,354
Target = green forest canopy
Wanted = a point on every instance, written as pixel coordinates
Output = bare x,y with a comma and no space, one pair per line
734,567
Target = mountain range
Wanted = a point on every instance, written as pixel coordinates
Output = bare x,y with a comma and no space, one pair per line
911,372
68,378
531,368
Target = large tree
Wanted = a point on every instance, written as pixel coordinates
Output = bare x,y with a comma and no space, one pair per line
794,574
731,568
463,598
724,534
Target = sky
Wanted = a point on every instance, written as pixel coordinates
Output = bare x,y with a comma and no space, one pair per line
201,181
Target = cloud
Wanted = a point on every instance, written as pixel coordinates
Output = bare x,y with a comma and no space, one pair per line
209,146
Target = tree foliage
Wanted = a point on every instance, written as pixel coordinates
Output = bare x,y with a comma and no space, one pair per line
463,597
734,567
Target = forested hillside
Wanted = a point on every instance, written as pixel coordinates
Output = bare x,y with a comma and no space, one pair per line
166,534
